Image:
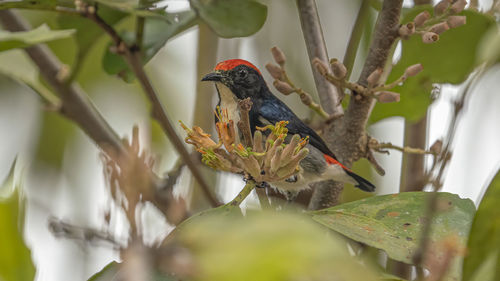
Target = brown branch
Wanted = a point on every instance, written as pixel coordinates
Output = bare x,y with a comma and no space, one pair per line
63,229
405,149
316,48
133,59
347,136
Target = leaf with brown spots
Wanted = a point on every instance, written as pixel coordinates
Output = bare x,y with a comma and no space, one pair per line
393,223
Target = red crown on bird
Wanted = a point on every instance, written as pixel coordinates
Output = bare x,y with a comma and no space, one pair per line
230,64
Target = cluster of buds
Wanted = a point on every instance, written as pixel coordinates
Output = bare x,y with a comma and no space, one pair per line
431,27
336,72
284,85
268,160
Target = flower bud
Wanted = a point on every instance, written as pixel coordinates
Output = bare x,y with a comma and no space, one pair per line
440,7
321,66
305,98
458,6
374,77
387,97
421,18
413,70
437,147
407,30
429,37
278,55
439,28
339,70
283,87
275,71
456,21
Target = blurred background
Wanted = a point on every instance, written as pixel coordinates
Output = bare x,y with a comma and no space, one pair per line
62,171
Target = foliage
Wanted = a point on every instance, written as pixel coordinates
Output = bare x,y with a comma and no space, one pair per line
451,52
483,247
23,39
393,223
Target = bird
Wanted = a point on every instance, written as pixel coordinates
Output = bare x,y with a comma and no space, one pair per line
238,79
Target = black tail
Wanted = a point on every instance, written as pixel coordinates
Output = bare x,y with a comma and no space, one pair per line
361,182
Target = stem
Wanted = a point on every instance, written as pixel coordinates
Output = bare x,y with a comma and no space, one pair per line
158,110
357,31
316,48
243,193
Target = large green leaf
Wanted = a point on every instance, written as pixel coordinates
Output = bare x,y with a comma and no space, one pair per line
22,39
15,257
232,18
267,246
483,259
156,34
393,223
449,60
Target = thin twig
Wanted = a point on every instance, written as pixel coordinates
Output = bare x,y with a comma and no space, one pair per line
405,149
440,163
69,231
243,193
316,48
158,110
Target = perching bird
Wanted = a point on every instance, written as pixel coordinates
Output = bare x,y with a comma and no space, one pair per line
238,79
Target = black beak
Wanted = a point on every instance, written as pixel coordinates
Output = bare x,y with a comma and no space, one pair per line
214,76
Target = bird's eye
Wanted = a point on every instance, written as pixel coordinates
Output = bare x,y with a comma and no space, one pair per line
242,73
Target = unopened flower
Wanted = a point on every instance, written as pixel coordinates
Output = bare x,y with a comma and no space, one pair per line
439,28
283,87
275,71
421,18
429,37
441,6
278,55
387,97
437,147
456,21
374,77
306,99
458,6
321,66
413,70
339,70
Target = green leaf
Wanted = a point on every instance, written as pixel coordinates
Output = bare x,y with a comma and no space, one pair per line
483,247
15,256
148,9
229,18
393,223
268,246
450,60
156,34
22,39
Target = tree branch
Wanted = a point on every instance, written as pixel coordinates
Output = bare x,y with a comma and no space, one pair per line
347,136
133,59
316,48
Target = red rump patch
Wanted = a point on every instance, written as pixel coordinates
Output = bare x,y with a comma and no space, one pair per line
330,160
230,64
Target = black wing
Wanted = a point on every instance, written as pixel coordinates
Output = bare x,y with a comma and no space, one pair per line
274,110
